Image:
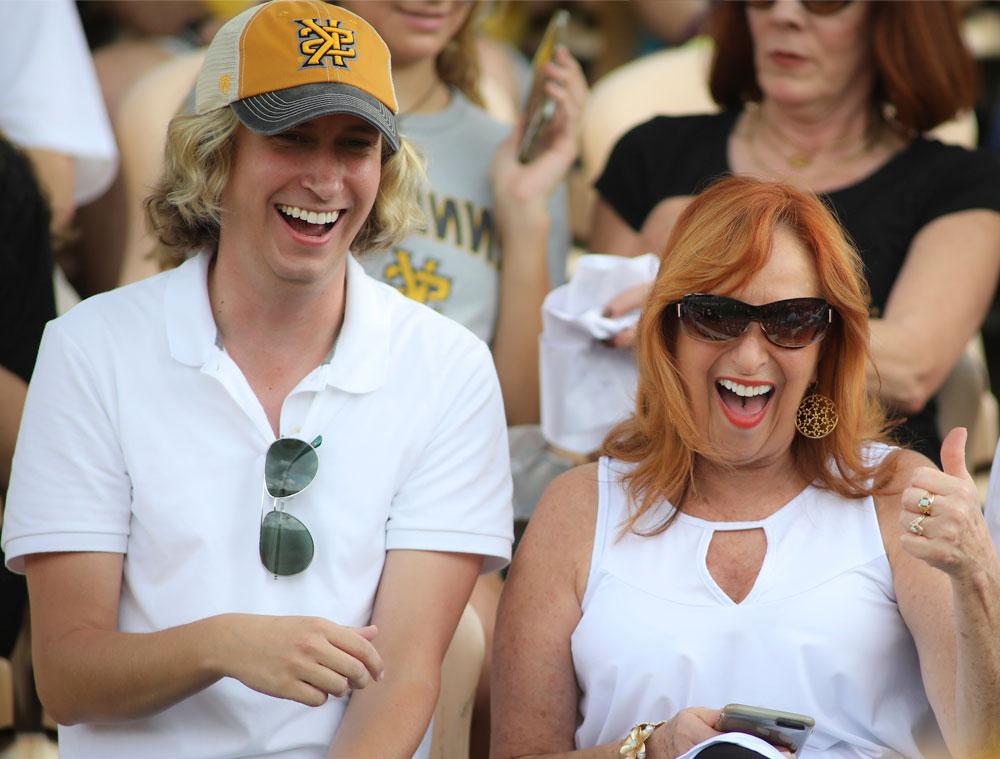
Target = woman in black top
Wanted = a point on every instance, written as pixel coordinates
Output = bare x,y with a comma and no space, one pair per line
832,96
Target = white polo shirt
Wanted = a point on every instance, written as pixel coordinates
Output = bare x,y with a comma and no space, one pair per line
141,436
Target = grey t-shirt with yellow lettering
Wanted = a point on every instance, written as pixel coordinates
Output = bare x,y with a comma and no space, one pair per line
453,265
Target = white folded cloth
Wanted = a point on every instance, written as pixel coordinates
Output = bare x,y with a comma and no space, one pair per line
586,386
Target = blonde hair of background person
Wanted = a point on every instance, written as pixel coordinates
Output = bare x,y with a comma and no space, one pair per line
759,243
843,98
184,208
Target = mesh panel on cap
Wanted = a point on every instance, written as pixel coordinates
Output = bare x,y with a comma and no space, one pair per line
222,62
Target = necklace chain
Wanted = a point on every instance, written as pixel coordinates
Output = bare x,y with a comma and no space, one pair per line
422,100
801,159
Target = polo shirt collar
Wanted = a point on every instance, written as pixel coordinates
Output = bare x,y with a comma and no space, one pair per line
360,360
191,329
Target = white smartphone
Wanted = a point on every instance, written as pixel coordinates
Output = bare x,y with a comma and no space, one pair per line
540,108
778,728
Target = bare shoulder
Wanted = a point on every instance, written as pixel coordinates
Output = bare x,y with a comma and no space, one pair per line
560,534
569,503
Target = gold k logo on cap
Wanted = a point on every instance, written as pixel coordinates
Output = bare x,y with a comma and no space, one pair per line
321,42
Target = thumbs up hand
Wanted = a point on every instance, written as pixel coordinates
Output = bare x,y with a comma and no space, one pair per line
941,517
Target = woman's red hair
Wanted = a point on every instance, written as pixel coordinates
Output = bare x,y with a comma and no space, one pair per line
721,240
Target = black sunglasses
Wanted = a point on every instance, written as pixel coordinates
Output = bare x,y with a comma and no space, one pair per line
792,323
815,7
286,547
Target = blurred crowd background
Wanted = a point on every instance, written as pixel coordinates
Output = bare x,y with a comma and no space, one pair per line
637,56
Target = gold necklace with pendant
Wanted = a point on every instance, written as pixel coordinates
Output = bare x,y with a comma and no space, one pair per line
800,159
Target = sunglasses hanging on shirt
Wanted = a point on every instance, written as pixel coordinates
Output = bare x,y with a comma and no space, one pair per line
286,547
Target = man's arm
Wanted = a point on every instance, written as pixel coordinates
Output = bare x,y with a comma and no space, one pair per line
420,599
87,671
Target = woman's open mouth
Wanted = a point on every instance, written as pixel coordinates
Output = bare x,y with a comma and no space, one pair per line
744,404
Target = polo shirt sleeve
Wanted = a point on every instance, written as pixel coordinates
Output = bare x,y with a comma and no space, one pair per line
457,498
69,490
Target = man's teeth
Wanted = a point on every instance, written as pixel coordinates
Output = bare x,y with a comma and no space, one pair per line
747,391
313,217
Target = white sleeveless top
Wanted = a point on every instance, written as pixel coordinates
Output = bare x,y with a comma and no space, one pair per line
819,633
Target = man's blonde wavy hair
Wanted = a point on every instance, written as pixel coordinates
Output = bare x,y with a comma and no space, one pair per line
184,211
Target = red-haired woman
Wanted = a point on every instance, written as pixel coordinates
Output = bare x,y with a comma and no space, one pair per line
748,536
833,96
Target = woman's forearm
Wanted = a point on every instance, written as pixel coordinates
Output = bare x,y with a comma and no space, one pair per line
524,283
905,373
977,681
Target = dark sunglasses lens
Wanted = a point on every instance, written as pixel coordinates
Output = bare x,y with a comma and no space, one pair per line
797,323
286,547
825,7
713,318
816,7
290,465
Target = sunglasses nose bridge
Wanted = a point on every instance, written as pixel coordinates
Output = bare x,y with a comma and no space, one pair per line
751,349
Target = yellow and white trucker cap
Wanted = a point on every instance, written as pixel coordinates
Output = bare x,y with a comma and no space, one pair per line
288,61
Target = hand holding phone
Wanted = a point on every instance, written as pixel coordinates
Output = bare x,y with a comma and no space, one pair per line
540,108
783,729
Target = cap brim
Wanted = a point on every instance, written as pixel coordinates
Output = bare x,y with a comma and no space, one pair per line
274,112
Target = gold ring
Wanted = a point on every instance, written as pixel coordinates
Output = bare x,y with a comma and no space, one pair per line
924,504
917,525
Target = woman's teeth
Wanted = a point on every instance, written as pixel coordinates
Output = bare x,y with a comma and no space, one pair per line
313,217
746,391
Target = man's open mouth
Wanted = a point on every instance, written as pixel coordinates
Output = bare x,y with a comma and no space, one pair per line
306,222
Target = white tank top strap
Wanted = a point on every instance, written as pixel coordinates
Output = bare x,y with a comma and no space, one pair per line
608,493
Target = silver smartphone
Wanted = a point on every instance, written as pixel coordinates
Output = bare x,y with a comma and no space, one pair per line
540,108
785,729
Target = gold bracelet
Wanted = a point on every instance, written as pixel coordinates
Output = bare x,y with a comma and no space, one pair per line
634,746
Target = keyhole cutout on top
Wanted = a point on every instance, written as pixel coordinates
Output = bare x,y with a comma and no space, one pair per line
734,559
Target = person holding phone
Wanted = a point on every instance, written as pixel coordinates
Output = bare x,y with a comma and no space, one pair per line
749,536
496,233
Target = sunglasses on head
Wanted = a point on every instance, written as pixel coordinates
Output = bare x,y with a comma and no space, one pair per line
792,323
815,7
286,547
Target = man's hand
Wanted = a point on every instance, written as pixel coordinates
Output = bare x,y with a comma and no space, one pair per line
304,659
